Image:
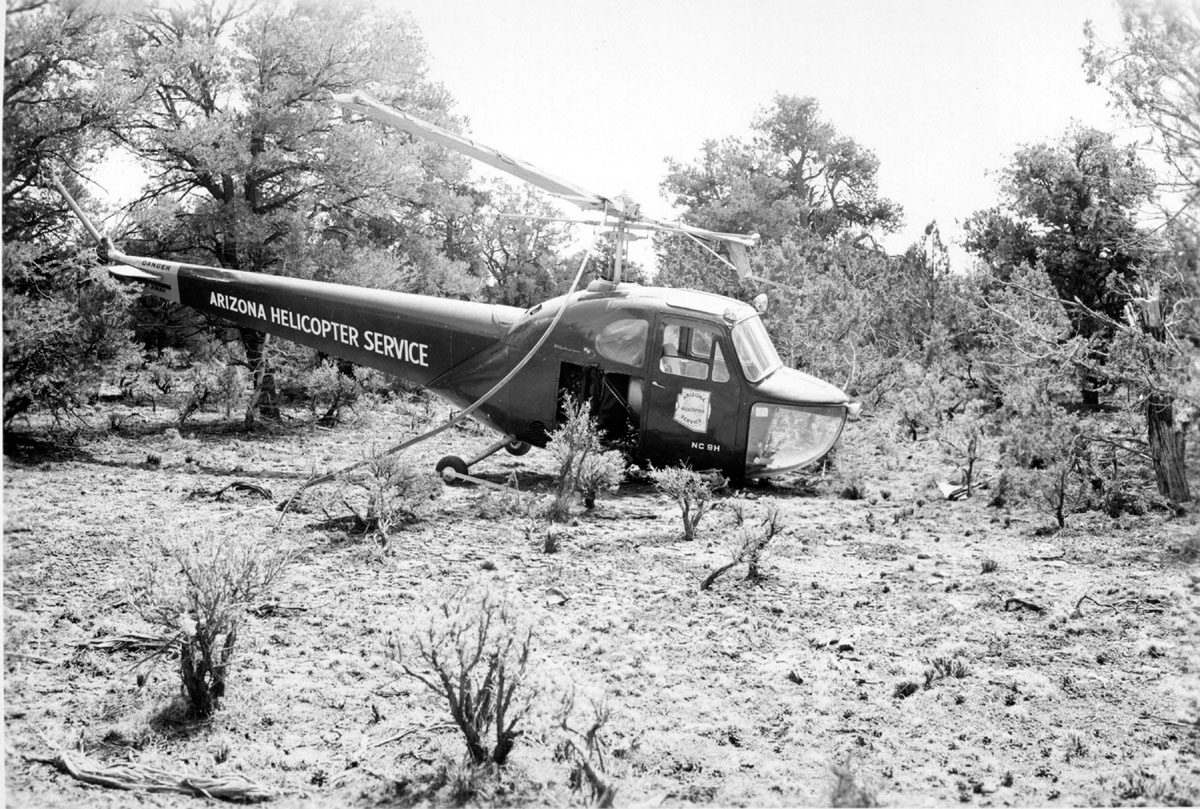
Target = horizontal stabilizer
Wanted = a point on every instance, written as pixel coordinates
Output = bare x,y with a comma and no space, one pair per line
123,273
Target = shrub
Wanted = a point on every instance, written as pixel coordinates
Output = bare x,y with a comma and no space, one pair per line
929,397
1044,449
218,576
509,501
600,472
584,466
64,328
390,494
846,789
326,386
749,545
1062,486
692,491
586,750
474,652
942,668
962,438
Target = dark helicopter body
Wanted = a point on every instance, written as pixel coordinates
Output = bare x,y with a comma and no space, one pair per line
673,376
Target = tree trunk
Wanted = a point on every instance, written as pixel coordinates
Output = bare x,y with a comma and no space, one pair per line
1165,437
264,401
1167,448
1089,390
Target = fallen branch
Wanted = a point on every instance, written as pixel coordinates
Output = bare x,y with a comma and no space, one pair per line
31,658
136,777
272,608
1175,723
125,642
712,577
238,486
411,731
1021,604
1078,613
952,492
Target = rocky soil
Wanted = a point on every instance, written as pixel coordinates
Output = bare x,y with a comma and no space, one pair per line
898,648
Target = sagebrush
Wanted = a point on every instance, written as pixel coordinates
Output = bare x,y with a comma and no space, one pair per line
692,491
199,592
584,466
474,652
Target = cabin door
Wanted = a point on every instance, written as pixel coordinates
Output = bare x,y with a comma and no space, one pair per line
691,397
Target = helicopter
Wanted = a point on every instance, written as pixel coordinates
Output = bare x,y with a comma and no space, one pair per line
673,376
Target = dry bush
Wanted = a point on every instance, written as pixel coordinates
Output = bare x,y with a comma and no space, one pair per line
749,545
964,438
216,379
388,494
473,651
328,387
846,789
586,750
511,502
927,399
600,472
692,491
941,668
65,327
1045,453
201,603
584,466
1156,789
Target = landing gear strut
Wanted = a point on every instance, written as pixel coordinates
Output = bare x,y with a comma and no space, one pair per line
453,469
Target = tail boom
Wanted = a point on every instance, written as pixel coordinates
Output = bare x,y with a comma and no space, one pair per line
414,337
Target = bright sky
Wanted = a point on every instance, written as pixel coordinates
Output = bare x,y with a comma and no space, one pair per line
943,91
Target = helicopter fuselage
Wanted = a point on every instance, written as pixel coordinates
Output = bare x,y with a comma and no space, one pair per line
673,376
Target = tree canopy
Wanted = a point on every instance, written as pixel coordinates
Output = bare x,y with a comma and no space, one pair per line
796,174
53,120
233,114
796,179
1073,206
1154,76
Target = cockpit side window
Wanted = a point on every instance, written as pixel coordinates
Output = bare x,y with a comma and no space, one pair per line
694,352
624,341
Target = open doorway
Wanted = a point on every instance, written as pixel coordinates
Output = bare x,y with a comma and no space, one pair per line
615,399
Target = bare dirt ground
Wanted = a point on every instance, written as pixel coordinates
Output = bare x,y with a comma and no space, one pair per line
744,694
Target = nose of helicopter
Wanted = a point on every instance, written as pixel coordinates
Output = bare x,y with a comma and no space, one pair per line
797,423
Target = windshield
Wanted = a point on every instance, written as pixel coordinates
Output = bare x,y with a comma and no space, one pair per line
755,351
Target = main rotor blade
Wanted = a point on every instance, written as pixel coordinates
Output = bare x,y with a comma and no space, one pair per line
364,104
744,239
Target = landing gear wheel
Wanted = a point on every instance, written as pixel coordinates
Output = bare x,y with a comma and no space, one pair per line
451,463
517,447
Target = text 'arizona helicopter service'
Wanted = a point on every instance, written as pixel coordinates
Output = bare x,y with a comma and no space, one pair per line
673,376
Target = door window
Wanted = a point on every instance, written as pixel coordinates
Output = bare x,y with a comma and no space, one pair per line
693,352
